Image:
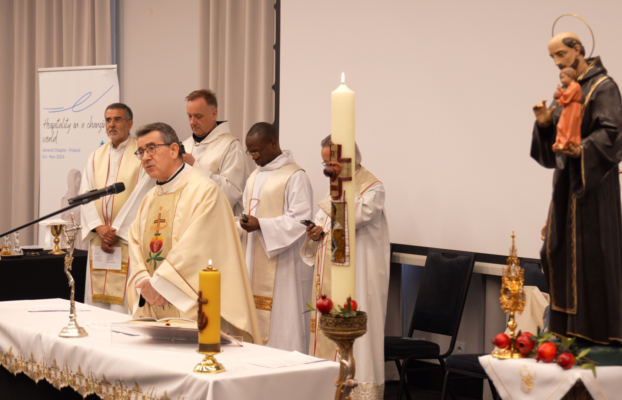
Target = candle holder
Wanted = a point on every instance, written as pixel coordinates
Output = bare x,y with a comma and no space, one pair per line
512,299
344,331
56,230
209,365
72,330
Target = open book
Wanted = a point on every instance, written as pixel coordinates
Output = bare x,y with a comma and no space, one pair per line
173,329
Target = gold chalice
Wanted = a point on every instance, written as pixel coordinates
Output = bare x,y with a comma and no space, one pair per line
56,231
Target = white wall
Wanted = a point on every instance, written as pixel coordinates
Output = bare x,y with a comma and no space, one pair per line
158,60
444,92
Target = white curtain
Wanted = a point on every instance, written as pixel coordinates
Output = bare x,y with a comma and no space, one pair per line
236,60
38,34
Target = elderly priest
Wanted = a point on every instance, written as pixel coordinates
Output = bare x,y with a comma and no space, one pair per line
278,196
182,223
106,221
372,275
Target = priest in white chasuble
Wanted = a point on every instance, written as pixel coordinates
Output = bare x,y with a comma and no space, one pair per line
182,223
106,221
372,276
213,148
277,197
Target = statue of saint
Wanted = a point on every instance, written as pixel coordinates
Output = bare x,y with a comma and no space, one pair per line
582,251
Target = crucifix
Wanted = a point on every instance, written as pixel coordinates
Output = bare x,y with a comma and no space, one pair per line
158,228
73,330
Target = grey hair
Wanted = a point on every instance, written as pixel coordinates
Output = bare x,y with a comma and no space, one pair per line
120,106
358,157
167,133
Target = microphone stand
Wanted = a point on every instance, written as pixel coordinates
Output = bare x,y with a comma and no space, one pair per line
42,218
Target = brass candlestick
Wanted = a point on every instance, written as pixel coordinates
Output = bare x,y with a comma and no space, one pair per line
209,365
72,330
512,298
57,230
344,331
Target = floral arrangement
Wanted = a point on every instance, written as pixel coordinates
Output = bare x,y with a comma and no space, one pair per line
325,306
547,348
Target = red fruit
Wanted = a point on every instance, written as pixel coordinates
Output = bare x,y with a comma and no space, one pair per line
524,343
502,341
546,352
565,360
156,243
324,304
353,305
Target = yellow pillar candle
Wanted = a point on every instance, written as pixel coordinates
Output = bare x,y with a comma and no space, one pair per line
209,286
342,131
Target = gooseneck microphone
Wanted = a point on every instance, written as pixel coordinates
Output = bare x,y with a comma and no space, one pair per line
97,193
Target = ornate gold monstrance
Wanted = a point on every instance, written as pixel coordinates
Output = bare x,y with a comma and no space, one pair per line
512,299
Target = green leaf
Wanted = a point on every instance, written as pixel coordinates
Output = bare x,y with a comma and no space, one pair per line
159,252
565,343
538,331
589,366
583,353
159,259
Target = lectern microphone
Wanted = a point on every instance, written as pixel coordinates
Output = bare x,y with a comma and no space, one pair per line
96,194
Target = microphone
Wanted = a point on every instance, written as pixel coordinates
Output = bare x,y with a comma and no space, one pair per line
97,193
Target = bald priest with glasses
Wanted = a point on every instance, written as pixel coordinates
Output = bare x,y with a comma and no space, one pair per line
182,223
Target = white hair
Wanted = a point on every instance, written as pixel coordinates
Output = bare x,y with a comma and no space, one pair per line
358,158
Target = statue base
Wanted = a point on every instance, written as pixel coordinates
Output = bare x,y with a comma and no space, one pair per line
344,331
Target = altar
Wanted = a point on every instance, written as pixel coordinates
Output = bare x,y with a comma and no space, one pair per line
29,344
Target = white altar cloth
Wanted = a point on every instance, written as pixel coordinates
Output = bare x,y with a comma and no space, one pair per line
29,342
513,379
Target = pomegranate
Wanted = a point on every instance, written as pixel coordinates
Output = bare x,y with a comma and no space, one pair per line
324,304
565,360
353,305
502,341
524,343
546,352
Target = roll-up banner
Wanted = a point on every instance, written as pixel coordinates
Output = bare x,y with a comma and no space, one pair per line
72,103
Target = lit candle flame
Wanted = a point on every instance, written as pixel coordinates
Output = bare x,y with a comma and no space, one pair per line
210,262
343,78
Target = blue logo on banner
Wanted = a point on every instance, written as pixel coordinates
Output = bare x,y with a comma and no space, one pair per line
78,102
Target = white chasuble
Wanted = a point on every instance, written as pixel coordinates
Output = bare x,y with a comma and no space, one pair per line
196,221
372,282
108,165
221,157
279,195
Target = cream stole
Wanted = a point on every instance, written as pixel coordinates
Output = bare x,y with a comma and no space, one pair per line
271,201
107,285
158,242
214,151
320,345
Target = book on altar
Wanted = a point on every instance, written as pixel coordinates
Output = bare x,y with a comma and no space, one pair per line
172,329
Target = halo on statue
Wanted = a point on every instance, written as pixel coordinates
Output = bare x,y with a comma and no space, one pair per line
586,24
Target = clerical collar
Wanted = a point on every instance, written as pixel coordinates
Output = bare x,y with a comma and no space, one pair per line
172,177
200,139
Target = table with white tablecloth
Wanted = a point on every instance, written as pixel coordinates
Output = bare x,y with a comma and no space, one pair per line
526,379
29,343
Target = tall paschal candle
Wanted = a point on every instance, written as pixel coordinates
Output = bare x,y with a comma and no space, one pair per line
342,133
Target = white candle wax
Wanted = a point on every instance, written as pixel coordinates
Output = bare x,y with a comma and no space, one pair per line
342,131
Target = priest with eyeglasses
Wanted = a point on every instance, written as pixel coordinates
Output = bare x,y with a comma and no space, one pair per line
182,223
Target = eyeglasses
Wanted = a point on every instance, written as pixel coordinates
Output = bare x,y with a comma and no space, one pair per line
324,164
257,153
115,119
150,149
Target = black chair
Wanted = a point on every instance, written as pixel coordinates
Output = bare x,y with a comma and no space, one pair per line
467,365
440,302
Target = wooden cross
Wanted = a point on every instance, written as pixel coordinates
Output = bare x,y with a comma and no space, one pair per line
158,221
